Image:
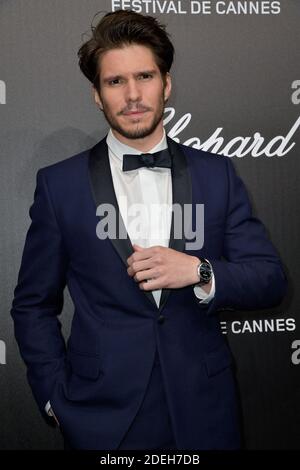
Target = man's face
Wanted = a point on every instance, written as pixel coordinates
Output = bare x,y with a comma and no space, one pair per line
132,93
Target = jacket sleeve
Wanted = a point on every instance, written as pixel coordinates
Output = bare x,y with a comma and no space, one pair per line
38,296
249,276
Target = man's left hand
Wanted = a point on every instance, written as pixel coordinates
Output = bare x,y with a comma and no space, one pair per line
159,267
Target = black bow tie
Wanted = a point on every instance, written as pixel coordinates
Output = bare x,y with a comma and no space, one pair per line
149,160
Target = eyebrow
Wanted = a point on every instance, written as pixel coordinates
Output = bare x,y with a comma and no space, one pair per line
142,72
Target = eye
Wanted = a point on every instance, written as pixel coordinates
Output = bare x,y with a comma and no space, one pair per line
146,75
113,82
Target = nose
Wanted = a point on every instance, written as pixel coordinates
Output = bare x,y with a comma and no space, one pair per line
133,92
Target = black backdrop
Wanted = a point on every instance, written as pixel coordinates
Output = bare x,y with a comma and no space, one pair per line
236,89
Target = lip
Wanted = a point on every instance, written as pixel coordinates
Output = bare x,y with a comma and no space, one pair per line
134,113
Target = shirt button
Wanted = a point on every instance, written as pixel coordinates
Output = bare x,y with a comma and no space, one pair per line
161,319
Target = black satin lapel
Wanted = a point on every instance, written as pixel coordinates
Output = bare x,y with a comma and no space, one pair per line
181,194
103,192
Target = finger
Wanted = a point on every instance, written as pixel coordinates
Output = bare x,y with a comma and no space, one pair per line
151,284
137,247
145,275
139,255
140,266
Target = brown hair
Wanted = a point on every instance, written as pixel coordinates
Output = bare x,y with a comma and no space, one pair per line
125,27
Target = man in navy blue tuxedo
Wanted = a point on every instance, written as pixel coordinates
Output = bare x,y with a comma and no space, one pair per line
146,365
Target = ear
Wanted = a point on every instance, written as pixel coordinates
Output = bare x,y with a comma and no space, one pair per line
97,97
168,87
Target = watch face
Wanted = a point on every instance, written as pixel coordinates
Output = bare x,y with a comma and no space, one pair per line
205,272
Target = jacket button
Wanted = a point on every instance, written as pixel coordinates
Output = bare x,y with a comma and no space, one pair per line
161,319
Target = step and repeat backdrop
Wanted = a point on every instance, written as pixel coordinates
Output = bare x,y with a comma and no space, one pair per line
236,92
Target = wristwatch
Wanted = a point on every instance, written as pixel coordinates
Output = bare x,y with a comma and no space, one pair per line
204,271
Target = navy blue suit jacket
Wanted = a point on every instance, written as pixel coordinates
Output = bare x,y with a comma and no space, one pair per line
96,381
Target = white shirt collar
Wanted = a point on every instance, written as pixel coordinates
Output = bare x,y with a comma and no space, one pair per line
118,148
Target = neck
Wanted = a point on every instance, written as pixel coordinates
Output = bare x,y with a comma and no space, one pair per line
144,144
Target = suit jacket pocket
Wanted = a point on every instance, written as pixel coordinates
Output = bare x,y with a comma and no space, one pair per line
84,383
218,359
84,365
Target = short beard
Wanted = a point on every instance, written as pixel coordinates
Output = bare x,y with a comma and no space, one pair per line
138,133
